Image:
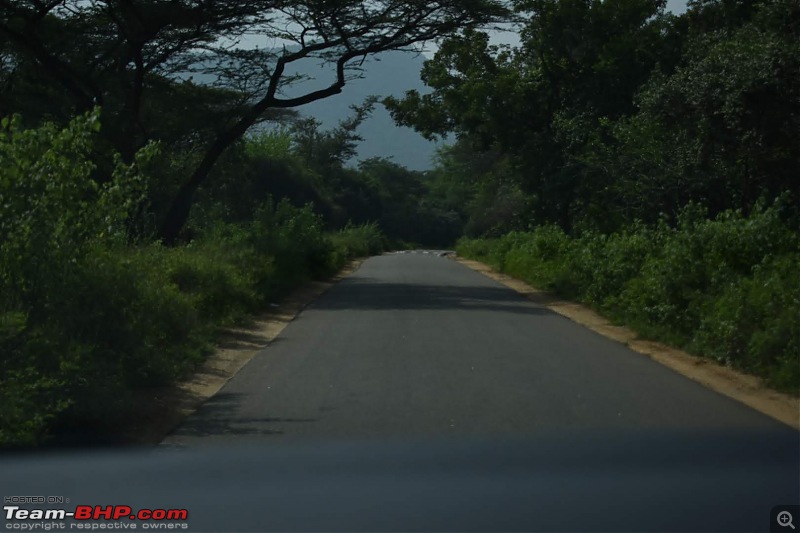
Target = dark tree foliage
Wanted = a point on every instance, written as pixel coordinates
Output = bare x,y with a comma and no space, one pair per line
579,64
721,130
612,111
59,57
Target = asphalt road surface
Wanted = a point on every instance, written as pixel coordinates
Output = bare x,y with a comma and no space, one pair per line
417,345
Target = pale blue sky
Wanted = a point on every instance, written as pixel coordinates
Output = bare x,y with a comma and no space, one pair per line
676,6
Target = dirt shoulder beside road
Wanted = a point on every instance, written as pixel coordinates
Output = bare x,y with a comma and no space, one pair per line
743,388
161,411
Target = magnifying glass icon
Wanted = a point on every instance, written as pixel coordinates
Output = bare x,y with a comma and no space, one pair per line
785,519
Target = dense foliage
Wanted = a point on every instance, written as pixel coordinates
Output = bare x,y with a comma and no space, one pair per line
611,112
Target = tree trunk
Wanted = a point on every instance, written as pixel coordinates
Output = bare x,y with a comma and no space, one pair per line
178,212
182,203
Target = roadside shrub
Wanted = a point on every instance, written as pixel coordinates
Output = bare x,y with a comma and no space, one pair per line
219,289
52,214
613,261
753,325
294,237
126,326
480,249
356,241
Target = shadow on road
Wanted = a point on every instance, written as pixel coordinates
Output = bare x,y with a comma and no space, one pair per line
370,294
219,416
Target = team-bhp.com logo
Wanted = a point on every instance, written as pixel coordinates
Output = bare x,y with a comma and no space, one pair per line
90,517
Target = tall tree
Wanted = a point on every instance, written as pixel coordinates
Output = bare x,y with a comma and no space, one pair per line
722,129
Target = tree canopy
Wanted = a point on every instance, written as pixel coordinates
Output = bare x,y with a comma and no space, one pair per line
612,111
133,59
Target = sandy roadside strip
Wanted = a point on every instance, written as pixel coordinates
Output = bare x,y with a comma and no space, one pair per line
743,388
160,411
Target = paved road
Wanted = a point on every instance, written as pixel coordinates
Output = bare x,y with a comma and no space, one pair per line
417,345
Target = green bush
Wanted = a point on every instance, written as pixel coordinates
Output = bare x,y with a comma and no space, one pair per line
294,237
52,213
480,249
754,323
356,241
